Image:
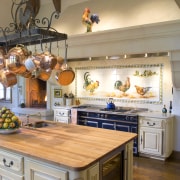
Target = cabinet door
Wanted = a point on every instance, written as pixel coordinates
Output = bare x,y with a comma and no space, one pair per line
37,171
6,175
93,173
151,140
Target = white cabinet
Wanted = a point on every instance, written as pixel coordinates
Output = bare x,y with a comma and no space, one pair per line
151,140
11,166
6,175
38,171
62,115
155,136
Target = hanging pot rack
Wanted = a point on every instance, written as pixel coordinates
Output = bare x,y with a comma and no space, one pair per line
26,30
32,37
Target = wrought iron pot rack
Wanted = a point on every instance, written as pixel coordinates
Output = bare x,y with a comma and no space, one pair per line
25,28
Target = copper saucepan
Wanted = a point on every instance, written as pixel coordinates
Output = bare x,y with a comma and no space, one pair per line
66,75
7,78
16,57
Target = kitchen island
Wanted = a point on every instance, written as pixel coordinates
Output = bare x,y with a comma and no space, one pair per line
66,152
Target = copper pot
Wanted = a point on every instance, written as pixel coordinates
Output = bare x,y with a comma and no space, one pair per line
8,78
66,75
44,75
16,57
45,61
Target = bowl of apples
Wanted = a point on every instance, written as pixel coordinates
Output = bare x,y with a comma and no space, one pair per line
9,122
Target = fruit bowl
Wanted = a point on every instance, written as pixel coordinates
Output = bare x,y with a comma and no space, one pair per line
8,131
9,122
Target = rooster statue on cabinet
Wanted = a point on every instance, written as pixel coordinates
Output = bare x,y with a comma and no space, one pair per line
88,22
123,87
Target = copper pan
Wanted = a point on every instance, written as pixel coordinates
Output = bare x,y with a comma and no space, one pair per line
16,57
44,75
48,61
7,78
66,75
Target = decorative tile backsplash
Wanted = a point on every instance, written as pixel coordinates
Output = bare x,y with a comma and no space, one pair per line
127,83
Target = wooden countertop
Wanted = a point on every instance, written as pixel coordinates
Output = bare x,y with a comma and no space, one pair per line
66,145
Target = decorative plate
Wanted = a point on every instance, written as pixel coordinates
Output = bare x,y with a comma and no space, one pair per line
8,131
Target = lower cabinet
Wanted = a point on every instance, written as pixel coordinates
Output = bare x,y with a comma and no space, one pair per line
6,175
38,171
156,137
11,166
151,140
118,163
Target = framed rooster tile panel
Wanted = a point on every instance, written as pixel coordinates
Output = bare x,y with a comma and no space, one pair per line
142,83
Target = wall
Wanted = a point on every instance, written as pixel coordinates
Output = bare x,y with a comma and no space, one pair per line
167,79
117,14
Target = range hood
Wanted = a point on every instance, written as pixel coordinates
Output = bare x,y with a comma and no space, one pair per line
150,38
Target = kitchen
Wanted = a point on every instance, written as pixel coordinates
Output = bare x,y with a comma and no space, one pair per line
134,32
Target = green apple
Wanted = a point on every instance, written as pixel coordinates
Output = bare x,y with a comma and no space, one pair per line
5,125
3,109
4,116
14,118
7,120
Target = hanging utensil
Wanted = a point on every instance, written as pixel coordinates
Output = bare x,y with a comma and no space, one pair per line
66,75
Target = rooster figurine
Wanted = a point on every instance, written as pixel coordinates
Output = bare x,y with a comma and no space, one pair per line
123,87
142,90
89,21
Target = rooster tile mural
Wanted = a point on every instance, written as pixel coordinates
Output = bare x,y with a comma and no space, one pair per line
142,83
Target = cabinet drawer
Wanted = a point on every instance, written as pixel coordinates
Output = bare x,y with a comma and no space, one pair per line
62,119
62,112
6,175
151,122
12,162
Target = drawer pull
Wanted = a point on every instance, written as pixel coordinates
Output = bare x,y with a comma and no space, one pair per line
151,124
10,163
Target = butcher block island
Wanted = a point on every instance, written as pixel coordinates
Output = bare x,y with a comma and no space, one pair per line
66,152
